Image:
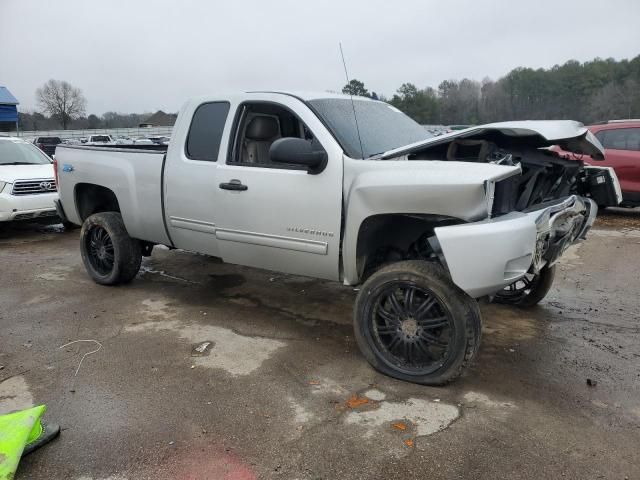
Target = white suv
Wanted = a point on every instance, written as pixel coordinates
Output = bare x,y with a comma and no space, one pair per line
27,183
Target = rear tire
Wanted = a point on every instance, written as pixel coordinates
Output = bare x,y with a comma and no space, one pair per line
109,254
412,323
529,291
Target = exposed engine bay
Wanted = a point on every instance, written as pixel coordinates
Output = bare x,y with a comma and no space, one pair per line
546,178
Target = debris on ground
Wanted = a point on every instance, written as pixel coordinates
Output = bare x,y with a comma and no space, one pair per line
201,349
399,426
86,354
356,401
409,443
592,383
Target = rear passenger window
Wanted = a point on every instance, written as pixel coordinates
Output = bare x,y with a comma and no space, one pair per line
205,133
620,139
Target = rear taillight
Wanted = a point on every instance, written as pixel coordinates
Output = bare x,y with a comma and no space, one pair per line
55,171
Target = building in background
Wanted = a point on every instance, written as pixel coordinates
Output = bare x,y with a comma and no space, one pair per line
8,111
160,119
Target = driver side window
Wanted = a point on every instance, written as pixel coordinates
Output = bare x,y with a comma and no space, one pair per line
258,125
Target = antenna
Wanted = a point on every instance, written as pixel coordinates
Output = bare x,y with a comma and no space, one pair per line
353,105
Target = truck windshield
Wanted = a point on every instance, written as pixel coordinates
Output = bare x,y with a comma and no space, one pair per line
382,126
21,153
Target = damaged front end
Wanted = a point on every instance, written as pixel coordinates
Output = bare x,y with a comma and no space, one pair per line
533,207
560,226
533,214
484,257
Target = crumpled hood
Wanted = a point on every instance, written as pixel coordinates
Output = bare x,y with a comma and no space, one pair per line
455,189
11,173
568,134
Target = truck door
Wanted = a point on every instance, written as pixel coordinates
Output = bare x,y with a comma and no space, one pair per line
278,216
189,181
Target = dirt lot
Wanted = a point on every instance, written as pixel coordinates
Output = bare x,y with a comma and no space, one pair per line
281,391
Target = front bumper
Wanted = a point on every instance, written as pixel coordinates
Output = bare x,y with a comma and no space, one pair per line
486,256
26,207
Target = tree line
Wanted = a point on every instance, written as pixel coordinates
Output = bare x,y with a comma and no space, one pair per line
61,105
593,91
42,121
597,90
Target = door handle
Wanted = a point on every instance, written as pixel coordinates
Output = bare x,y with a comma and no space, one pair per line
234,185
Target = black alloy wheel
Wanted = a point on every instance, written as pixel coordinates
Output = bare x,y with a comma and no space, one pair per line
413,323
109,254
100,250
529,290
411,329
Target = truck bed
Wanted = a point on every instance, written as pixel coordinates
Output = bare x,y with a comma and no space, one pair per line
134,175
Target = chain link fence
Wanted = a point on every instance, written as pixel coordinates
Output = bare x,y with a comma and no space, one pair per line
136,132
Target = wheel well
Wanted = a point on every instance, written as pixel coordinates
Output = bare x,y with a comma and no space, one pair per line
92,199
394,237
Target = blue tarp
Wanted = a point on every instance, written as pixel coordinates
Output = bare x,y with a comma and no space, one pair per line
8,113
6,98
8,110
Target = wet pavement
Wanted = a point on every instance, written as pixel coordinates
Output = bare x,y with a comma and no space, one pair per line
211,371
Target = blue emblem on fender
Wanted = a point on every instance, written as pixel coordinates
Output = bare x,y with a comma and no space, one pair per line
67,168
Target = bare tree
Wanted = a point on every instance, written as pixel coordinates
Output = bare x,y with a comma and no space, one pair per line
61,100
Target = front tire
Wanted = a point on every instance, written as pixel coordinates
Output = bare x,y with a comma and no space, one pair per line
529,290
412,323
109,254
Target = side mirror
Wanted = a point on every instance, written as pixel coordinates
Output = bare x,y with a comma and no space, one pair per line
297,151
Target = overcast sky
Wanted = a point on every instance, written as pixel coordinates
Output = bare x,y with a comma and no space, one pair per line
144,55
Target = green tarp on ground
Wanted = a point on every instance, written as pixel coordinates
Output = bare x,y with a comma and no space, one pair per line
16,431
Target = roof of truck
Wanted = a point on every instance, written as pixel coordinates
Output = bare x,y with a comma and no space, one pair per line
306,95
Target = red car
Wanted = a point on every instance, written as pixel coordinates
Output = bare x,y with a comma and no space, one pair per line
621,140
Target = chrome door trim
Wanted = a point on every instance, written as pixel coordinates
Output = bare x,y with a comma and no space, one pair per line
275,241
191,224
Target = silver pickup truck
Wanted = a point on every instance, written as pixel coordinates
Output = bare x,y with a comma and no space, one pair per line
350,190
